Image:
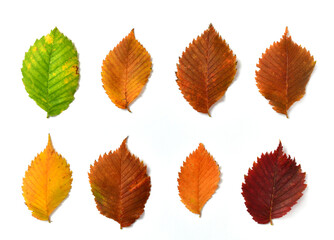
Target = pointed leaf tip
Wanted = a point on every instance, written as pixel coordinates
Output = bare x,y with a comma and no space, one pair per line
279,149
132,31
124,142
49,140
280,144
55,30
286,33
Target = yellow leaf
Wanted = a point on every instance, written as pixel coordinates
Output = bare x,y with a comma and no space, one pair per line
47,182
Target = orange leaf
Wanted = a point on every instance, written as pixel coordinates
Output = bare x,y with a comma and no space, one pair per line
198,179
284,70
120,185
205,70
125,71
47,182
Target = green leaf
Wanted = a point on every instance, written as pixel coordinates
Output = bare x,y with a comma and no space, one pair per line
51,72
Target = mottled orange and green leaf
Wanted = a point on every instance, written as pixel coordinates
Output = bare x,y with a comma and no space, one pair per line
47,183
125,71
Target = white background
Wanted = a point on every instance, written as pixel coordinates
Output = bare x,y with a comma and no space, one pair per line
163,128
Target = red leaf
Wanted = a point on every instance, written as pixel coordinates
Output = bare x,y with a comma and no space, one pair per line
273,186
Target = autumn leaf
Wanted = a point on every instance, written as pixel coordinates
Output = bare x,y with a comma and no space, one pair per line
47,183
120,185
272,186
198,179
284,70
125,71
50,72
205,70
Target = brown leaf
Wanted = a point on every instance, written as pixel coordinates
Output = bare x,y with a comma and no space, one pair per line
284,70
198,179
273,186
205,70
125,71
120,185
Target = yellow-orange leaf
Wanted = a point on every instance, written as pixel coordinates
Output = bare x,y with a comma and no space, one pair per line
198,179
205,70
125,71
284,70
120,185
47,182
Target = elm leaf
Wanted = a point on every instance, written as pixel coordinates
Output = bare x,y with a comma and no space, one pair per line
125,71
273,186
47,183
206,70
120,185
284,71
51,72
198,179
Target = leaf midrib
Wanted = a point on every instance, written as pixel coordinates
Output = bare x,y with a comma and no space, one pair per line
48,157
273,190
207,71
47,82
286,76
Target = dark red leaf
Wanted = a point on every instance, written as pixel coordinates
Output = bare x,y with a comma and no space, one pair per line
272,186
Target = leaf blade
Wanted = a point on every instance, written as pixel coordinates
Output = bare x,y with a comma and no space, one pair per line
125,71
47,183
50,72
205,70
284,71
272,186
198,179
120,192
